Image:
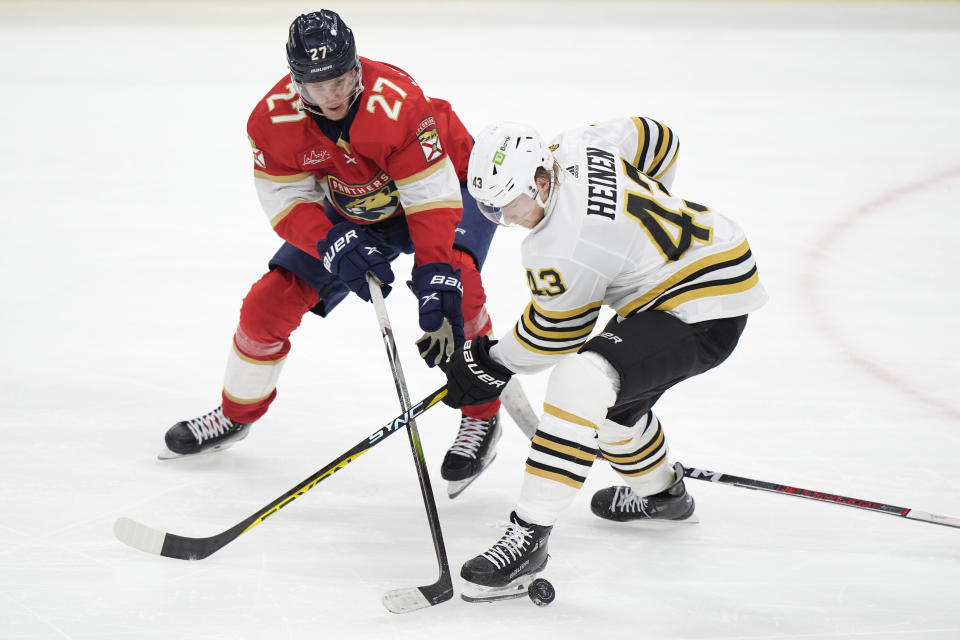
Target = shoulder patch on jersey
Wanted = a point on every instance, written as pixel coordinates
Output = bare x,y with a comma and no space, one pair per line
429,139
258,158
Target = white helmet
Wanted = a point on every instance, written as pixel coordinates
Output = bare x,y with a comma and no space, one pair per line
504,159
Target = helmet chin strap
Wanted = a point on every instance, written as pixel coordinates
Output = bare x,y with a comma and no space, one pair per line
357,90
544,203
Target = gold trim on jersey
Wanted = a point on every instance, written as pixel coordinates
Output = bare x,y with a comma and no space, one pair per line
421,175
296,177
713,262
567,315
641,139
710,290
666,169
277,219
551,332
665,141
443,204
567,416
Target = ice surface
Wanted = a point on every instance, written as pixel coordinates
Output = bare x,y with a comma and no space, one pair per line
131,233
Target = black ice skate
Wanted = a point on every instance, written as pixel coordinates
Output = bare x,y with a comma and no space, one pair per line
506,569
471,453
622,504
206,434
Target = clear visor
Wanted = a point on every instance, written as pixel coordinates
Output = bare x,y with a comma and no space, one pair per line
492,213
510,214
336,88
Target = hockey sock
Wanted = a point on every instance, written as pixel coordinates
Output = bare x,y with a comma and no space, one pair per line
638,453
563,449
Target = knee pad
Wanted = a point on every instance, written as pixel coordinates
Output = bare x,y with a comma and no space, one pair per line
275,305
581,389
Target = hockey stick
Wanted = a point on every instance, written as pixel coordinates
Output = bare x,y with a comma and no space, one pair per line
515,401
820,496
412,598
869,505
146,538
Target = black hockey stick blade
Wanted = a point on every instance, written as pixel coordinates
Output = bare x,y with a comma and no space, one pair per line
410,599
171,545
820,496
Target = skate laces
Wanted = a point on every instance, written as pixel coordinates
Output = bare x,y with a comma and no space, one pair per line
510,546
626,501
210,425
470,437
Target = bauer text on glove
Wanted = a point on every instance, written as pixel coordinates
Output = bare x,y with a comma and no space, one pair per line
473,377
439,295
350,252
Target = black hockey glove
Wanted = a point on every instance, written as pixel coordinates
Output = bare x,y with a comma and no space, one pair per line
472,375
350,252
439,293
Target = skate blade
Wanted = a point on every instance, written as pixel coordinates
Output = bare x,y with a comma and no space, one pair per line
653,524
456,487
516,589
167,454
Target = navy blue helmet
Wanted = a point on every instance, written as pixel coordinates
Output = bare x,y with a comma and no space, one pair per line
320,47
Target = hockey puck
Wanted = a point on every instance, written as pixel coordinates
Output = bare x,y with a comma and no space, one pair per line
541,592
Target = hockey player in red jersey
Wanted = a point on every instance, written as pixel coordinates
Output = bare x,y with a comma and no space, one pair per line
354,165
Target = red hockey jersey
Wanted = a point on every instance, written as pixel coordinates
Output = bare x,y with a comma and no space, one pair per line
402,154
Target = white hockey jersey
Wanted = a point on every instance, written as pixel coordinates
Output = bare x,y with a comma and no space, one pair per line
614,235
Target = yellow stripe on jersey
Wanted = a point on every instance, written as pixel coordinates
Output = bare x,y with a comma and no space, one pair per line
567,416
445,204
422,174
666,142
567,315
666,168
731,256
275,220
296,177
555,332
709,290
641,140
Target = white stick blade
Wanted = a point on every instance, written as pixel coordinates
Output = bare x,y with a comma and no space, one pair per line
515,401
946,521
139,536
405,600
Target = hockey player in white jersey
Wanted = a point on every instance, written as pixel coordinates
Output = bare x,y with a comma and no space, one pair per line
604,230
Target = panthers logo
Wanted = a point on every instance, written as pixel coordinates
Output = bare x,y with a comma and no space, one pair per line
367,203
